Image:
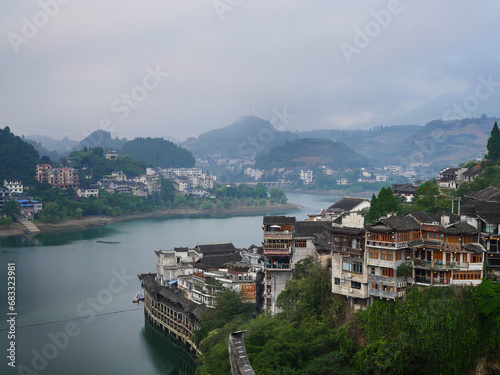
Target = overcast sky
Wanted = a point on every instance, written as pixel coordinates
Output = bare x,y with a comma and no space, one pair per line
179,68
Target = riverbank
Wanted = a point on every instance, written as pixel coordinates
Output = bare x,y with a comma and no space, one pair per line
340,193
87,222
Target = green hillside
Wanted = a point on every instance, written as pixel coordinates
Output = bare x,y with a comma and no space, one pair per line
158,152
244,138
311,152
18,159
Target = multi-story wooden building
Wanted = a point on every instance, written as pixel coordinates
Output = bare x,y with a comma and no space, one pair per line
387,248
349,271
447,255
277,250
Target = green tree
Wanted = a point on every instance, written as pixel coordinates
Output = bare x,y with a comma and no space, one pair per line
429,198
493,145
277,195
11,208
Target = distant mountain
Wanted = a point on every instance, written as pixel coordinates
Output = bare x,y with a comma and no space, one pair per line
311,152
381,144
18,159
449,142
62,146
438,142
245,138
158,152
103,139
42,151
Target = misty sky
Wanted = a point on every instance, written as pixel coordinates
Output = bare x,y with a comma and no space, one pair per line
179,68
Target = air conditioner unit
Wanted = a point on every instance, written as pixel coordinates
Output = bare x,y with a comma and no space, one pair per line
349,276
404,283
351,290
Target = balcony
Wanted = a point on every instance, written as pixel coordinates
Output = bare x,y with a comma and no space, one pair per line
440,265
276,251
391,245
287,235
347,250
278,266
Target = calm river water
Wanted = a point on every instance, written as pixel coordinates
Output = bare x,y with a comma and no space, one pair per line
74,293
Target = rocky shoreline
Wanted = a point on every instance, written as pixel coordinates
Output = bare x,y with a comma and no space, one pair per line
87,222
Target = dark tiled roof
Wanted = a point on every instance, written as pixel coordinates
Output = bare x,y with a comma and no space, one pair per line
167,294
421,216
216,248
278,220
310,228
487,211
403,188
181,249
347,230
423,242
398,223
346,204
475,248
459,228
490,193
473,172
217,261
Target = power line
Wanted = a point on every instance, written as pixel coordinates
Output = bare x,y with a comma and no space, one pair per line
67,320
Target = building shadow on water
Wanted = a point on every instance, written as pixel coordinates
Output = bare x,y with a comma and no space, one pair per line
168,356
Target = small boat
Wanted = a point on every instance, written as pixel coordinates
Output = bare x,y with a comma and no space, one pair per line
138,297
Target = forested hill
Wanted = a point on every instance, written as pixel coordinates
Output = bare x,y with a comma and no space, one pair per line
18,159
244,138
158,152
311,152
100,138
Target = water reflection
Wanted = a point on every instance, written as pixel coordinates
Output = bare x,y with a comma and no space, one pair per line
56,239
167,355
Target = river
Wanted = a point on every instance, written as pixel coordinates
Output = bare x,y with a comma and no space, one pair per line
74,291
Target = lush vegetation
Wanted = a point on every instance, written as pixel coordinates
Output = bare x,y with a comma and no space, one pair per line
385,203
493,146
309,152
158,152
17,158
93,166
432,331
62,204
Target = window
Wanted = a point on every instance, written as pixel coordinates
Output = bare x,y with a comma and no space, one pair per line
300,243
374,286
356,243
373,253
372,270
357,268
337,281
398,255
387,272
464,257
405,236
456,257
476,258
352,265
452,239
437,255
386,255
355,285
375,236
387,237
